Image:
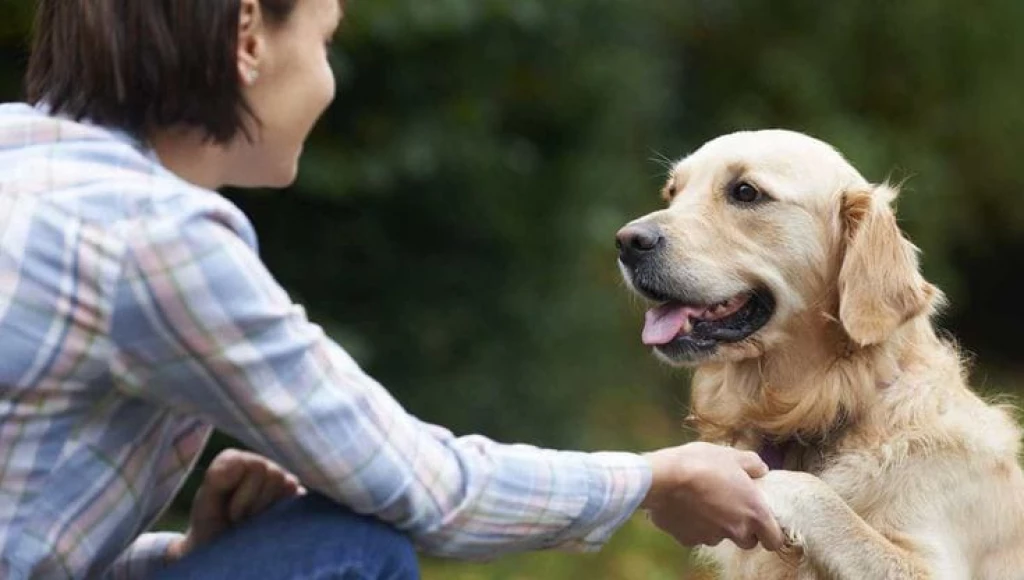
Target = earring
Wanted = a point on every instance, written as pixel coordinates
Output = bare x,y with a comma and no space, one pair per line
251,75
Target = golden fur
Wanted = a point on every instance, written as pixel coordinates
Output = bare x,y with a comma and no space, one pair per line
898,469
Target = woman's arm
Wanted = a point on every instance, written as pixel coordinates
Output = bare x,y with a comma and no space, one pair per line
202,327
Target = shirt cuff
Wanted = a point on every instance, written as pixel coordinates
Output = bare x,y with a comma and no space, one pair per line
618,482
146,555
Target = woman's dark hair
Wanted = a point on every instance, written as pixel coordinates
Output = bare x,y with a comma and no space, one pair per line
140,65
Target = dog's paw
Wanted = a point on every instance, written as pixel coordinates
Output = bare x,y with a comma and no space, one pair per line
792,552
793,497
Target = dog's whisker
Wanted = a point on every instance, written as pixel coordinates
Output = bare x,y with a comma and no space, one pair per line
661,159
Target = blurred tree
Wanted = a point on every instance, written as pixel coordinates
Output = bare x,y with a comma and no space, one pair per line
453,198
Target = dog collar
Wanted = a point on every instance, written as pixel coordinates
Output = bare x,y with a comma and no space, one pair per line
774,454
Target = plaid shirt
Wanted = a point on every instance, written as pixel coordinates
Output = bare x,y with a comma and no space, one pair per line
136,315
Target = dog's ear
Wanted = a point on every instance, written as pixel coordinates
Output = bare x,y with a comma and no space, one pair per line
880,285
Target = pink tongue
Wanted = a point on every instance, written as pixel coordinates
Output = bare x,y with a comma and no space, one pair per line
665,322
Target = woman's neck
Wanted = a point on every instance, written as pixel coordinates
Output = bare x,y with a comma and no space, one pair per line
191,156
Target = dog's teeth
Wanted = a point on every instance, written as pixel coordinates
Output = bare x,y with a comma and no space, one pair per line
687,326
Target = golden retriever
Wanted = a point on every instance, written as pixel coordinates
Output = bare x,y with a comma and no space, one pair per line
781,274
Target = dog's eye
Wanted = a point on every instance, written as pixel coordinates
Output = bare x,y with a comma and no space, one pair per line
743,192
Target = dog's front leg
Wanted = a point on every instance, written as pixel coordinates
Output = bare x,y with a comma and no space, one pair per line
834,538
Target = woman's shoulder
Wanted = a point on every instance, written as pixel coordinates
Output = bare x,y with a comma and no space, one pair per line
53,156
97,174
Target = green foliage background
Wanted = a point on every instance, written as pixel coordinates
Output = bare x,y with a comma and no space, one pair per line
452,226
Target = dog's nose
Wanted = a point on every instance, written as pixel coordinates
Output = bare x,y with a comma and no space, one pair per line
637,240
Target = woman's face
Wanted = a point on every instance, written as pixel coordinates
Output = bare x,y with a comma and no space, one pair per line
288,82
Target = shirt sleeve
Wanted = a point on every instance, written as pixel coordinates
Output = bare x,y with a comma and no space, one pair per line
201,326
146,556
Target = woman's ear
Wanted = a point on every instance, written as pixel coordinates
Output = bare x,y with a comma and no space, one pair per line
251,41
880,284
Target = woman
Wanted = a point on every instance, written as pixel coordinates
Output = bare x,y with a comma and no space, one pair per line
136,316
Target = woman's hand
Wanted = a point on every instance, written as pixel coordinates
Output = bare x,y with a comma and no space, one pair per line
237,485
702,494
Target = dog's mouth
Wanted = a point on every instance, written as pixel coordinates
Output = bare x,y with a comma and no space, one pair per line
681,330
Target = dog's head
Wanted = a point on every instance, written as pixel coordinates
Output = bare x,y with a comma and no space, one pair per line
763,232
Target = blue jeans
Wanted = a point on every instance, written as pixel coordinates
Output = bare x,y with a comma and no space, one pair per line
304,538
